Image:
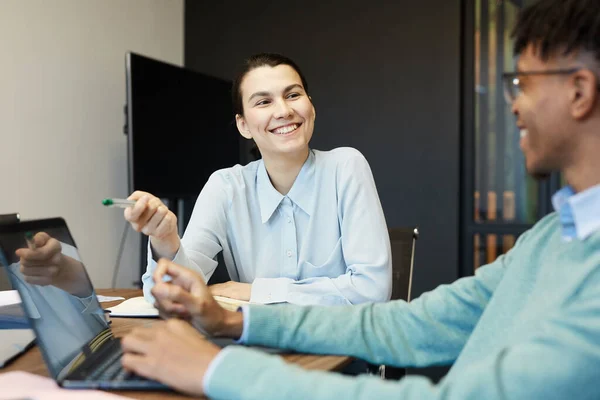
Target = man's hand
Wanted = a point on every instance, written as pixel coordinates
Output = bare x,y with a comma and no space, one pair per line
170,352
187,296
233,290
46,265
151,217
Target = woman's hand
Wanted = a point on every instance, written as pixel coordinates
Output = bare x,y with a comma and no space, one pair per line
233,290
151,217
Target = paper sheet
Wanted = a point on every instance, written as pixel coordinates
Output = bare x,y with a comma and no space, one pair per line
14,342
8,297
11,313
23,385
104,299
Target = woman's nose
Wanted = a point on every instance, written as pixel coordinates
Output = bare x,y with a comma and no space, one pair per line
283,110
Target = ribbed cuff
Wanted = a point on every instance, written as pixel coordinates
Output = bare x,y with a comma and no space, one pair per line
264,329
235,370
214,364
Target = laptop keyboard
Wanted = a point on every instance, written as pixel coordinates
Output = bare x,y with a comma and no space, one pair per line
106,366
109,367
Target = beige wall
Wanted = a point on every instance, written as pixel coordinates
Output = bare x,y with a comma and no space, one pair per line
62,91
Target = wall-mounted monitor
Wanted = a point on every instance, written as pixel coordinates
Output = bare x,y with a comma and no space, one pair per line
180,126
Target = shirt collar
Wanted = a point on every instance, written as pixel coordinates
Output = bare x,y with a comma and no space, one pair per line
579,213
301,193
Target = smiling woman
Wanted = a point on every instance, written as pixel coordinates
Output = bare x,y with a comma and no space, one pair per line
300,225
277,114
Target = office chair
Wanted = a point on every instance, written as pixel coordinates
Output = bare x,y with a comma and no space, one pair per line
403,243
7,219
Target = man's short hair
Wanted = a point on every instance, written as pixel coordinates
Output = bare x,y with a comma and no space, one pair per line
559,27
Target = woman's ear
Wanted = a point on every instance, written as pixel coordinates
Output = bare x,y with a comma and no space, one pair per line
242,126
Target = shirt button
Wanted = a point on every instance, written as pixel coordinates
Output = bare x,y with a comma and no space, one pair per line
289,253
289,220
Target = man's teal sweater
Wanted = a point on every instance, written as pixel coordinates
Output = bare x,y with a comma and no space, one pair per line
524,327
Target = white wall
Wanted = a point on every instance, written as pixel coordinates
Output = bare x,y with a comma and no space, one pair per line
62,91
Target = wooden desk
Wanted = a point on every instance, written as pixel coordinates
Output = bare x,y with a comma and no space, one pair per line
32,361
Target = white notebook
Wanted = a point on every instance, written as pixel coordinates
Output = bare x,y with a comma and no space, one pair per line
230,304
139,307
134,307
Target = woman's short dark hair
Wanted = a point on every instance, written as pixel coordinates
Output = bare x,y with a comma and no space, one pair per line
256,61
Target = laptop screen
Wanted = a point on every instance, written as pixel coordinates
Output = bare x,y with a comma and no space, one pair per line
56,292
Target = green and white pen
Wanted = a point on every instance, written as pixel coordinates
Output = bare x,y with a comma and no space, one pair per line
122,203
30,241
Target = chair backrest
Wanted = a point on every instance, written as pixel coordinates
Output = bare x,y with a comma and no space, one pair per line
6,219
403,243
4,281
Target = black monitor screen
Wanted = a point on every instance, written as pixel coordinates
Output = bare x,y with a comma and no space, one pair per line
180,125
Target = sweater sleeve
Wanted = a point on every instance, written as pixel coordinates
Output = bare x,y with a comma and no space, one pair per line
431,330
559,361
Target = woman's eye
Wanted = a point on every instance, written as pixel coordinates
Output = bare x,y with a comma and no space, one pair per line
293,95
262,102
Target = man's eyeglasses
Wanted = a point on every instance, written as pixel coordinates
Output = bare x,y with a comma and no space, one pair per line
512,88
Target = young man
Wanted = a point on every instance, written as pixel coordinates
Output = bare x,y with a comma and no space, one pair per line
526,326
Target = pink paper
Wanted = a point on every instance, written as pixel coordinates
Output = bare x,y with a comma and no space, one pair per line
19,384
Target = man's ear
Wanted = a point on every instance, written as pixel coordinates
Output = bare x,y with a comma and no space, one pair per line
242,126
585,93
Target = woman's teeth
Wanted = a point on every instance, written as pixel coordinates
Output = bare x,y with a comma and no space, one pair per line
285,129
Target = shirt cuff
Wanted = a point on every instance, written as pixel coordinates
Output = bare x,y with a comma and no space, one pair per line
178,259
245,309
147,280
270,290
213,366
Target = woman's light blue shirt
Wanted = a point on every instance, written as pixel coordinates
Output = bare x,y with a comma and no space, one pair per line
325,242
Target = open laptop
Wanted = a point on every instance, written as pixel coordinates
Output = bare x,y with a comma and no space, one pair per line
72,331
15,335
